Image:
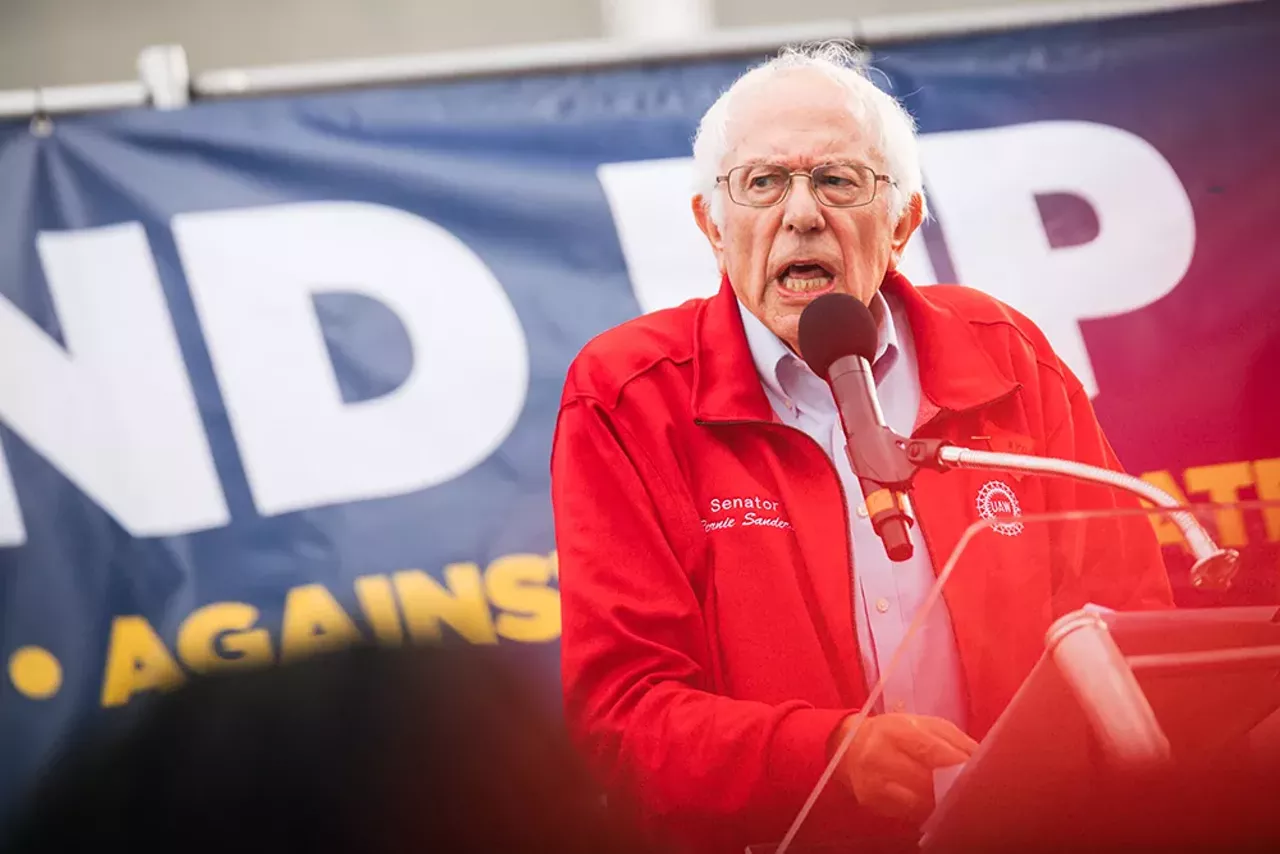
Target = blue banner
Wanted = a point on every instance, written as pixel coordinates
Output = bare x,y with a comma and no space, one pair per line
280,373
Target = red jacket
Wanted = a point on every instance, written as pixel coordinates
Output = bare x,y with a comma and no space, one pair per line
705,669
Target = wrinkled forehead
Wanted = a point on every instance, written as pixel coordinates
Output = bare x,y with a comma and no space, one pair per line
800,118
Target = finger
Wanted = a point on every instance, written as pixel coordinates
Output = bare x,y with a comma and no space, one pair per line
913,735
903,770
888,765
902,802
930,750
948,732
898,800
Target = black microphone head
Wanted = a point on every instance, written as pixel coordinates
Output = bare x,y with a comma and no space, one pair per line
834,326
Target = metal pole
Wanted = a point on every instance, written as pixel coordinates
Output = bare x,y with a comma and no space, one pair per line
606,53
688,43
596,53
25,103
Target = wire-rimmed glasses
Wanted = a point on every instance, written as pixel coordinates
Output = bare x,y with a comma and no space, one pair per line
836,185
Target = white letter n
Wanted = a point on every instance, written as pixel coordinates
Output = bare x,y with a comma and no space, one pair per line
113,411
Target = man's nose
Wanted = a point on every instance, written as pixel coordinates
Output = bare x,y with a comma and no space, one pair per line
801,210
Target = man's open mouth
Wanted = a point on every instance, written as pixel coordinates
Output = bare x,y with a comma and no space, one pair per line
805,277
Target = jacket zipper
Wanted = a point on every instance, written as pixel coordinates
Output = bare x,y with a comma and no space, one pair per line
924,537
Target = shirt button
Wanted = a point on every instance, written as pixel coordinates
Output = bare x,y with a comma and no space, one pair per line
899,706
882,606
862,511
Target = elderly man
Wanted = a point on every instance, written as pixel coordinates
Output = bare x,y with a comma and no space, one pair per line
710,666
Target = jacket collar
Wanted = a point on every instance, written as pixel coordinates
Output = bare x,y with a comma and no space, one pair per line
956,372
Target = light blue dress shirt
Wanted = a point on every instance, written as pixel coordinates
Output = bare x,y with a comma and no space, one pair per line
887,595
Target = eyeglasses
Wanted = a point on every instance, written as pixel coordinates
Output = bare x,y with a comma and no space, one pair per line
836,185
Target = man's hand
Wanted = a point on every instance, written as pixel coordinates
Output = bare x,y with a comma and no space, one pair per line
890,763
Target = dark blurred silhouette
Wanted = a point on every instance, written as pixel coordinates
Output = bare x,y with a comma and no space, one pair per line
424,749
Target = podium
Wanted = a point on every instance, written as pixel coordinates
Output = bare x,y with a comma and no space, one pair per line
1134,730
1101,729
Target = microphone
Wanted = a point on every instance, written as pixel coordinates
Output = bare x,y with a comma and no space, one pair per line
838,341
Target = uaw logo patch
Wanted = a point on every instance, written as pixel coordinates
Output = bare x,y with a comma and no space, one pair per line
996,500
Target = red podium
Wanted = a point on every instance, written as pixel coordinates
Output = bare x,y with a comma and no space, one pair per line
1132,731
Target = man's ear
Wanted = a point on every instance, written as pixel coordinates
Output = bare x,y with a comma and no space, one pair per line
908,222
702,216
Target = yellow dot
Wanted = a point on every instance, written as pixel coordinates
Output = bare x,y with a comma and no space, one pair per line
35,672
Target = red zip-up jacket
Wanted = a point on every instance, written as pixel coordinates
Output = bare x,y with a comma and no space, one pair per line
706,666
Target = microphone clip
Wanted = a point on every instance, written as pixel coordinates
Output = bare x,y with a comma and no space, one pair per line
892,462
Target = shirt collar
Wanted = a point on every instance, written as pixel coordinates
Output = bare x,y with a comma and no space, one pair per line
769,353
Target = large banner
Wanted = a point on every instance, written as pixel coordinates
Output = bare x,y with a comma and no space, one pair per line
280,373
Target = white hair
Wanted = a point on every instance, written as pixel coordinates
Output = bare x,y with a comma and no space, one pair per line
892,128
